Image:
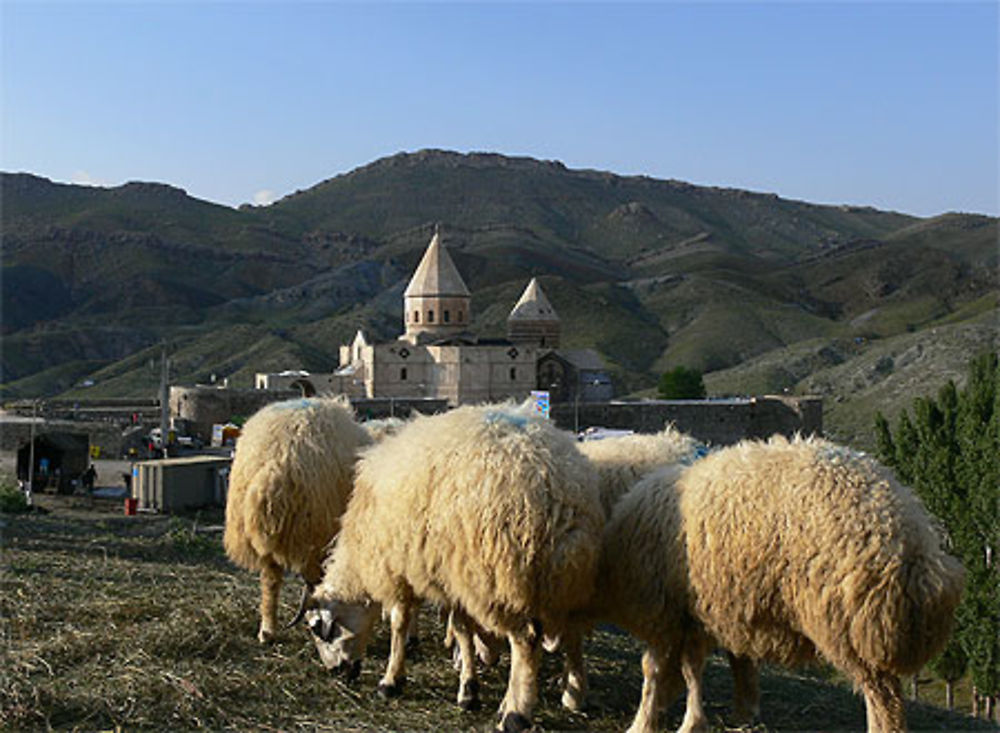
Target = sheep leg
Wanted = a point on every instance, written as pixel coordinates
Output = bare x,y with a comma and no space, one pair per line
656,668
271,577
450,643
489,647
883,703
575,674
412,633
391,684
522,685
746,689
692,664
463,629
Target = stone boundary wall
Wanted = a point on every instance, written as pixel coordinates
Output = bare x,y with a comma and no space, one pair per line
202,407
715,422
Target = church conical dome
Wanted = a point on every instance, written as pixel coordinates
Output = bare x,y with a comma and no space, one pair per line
533,305
436,302
436,275
533,319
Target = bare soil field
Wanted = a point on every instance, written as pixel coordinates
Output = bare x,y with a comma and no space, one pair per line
141,623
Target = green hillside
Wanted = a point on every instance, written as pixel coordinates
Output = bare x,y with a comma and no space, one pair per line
762,293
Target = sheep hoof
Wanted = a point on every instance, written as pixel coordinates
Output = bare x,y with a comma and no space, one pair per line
471,704
388,691
468,696
573,702
514,723
265,636
350,671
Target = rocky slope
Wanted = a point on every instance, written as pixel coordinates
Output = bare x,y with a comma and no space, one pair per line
762,293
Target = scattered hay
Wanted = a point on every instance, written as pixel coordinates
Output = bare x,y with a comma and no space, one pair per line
140,623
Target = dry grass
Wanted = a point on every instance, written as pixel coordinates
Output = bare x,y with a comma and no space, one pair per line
136,623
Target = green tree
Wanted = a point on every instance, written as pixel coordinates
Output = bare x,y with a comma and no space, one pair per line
950,665
949,452
681,383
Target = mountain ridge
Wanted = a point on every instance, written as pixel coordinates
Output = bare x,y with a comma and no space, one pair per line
651,272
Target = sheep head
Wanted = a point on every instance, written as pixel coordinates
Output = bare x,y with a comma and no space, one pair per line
341,632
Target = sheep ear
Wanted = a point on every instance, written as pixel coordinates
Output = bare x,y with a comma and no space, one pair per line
305,603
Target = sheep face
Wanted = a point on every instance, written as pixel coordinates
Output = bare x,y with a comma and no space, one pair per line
341,632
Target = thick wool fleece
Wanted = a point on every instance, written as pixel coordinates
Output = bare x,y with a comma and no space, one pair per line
481,507
292,476
622,461
803,545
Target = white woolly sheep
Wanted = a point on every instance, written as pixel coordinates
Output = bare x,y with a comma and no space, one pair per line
778,551
482,510
382,427
292,475
620,462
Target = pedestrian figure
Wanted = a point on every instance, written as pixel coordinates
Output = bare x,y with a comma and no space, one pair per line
88,478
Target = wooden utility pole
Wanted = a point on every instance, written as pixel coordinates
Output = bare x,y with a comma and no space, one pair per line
31,452
164,400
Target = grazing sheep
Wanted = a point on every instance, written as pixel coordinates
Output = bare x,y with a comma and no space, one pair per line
481,510
620,462
778,551
290,481
382,427
623,460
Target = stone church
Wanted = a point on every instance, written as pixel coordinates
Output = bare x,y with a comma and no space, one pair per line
438,357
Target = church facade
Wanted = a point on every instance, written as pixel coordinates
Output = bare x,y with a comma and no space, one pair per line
438,357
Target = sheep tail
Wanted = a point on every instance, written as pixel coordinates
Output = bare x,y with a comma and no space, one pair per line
910,618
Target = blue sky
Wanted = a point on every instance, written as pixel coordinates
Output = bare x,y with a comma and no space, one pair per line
889,105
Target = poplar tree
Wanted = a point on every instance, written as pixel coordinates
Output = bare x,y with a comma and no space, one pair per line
949,452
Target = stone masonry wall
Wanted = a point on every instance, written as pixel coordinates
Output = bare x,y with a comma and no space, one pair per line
202,407
716,422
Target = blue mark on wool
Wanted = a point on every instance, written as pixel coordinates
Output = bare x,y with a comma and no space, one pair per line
699,451
295,404
841,453
518,421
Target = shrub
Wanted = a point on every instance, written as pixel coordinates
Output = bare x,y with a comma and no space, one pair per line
12,500
681,383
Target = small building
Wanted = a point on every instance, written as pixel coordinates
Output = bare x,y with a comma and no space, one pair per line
176,484
292,379
574,375
60,458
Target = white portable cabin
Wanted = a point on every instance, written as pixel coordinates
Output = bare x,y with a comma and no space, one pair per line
174,484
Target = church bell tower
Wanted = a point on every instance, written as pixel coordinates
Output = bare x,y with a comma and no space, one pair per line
436,302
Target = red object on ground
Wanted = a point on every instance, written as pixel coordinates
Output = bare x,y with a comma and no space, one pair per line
131,505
